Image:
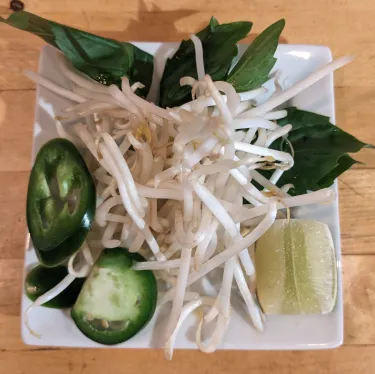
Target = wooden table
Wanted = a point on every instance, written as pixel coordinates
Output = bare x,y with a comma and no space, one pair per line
347,26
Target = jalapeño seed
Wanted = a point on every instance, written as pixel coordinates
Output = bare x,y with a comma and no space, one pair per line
105,324
31,289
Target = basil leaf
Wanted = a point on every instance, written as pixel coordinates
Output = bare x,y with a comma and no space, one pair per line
213,23
30,22
344,163
219,49
320,150
255,64
299,118
102,59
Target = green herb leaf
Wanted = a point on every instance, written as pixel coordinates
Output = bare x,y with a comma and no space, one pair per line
30,22
344,163
213,23
255,64
105,60
219,49
320,150
299,118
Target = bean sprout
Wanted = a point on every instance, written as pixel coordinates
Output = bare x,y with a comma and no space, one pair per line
186,310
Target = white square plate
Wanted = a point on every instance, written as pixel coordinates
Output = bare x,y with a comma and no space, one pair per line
281,332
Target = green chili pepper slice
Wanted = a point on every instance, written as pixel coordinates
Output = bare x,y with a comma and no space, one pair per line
116,301
61,201
40,280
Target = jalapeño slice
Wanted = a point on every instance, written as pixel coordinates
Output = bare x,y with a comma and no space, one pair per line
61,201
116,301
40,280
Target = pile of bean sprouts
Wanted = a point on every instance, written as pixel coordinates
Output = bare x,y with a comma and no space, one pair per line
171,185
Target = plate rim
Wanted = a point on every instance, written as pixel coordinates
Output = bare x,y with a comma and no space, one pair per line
339,338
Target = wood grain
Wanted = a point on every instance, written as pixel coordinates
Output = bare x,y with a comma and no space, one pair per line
359,296
357,211
16,129
346,360
12,208
346,26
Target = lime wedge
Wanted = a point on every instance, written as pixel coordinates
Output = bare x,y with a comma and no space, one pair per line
296,268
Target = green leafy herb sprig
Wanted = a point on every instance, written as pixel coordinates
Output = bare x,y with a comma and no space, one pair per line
321,150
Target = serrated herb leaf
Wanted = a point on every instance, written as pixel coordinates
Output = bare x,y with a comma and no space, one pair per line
219,49
344,163
105,60
255,64
320,150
